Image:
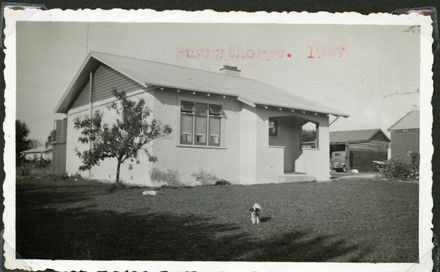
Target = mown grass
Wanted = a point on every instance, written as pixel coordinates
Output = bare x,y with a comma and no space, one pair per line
359,220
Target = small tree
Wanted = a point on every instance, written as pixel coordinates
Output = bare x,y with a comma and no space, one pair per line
122,140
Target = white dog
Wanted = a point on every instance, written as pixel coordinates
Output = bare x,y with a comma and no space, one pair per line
255,213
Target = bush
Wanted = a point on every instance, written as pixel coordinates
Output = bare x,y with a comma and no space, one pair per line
222,182
402,169
39,167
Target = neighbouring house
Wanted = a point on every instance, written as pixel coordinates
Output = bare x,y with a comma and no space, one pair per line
38,153
360,147
225,126
405,136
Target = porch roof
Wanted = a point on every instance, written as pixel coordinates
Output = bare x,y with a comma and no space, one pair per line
249,91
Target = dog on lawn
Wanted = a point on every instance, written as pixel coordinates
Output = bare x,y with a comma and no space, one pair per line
255,213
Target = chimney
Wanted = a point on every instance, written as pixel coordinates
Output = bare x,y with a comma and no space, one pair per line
230,70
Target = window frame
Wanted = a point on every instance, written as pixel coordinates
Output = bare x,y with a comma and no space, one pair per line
316,141
208,117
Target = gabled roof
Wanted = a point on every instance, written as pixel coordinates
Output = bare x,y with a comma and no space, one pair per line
146,73
355,136
411,120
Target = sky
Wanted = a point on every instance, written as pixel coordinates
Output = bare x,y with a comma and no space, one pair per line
357,69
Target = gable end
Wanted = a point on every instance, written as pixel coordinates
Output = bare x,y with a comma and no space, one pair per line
105,79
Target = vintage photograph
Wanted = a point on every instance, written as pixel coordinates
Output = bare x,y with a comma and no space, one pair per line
252,142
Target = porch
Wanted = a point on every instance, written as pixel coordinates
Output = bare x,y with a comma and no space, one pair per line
296,177
297,146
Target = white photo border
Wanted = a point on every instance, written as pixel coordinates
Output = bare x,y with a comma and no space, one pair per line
209,16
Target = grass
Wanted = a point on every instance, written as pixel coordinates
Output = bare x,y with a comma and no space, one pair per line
359,220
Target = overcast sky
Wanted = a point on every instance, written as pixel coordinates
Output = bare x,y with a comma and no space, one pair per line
352,68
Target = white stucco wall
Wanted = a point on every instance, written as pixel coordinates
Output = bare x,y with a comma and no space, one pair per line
270,159
248,145
244,157
185,163
316,161
106,171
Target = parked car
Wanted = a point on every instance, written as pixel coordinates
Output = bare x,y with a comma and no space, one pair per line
337,161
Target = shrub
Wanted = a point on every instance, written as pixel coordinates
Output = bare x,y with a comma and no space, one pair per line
402,169
222,182
76,177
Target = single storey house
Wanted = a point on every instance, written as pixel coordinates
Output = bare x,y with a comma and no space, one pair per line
225,126
38,153
405,136
361,147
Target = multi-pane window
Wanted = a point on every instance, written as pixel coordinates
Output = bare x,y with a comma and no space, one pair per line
200,124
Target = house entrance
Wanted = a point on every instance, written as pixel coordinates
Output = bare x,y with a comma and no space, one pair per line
283,132
293,134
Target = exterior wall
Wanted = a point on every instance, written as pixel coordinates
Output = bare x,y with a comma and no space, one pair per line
59,147
380,137
316,161
104,80
362,156
404,141
191,165
47,155
289,137
139,174
244,157
83,97
270,160
248,145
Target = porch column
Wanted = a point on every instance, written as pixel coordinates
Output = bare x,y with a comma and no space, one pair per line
248,145
323,165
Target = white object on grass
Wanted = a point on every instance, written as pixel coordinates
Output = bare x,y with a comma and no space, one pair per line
149,193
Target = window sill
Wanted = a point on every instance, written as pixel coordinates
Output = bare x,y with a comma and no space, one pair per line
310,149
276,146
202,146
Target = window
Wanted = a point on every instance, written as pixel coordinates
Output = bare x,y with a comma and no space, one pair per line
309,135
200,124
273,127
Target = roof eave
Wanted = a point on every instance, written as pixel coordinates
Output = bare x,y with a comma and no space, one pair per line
334,113
90,62
66,99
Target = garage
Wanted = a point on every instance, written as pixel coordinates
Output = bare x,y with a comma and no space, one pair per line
357,149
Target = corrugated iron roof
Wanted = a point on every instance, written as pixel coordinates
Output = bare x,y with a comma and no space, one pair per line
354,136
167,75
411,120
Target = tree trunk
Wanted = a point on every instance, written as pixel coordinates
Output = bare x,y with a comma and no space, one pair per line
117,172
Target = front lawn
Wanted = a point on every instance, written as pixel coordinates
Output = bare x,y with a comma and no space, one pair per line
358,220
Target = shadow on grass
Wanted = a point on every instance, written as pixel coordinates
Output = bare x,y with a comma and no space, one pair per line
264,219
104,235
85,233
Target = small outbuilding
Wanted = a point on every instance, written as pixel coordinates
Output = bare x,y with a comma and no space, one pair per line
38,153
405,136
360,147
